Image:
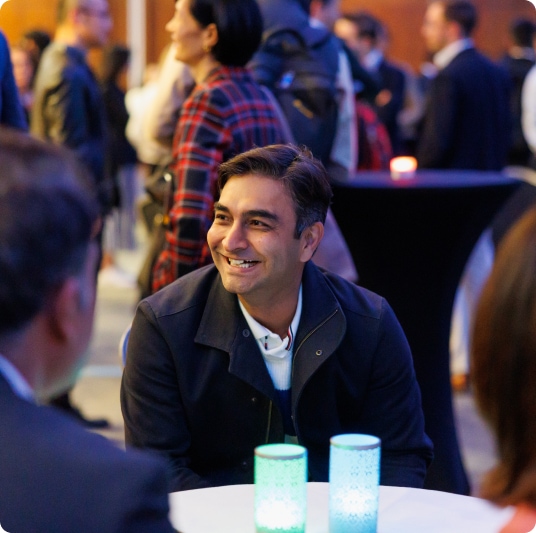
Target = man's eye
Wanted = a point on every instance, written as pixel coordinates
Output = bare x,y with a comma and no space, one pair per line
258,224
220,216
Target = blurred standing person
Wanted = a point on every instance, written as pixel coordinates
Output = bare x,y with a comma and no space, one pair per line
11,111
23,72
54,475
364,35
226,114
35,42
503,372
121,161
68,106
155,106
175,83
302,63
466,120
518,61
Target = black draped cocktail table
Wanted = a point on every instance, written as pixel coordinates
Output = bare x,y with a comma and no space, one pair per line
410,240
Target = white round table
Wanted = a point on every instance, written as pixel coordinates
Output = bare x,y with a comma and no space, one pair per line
401,510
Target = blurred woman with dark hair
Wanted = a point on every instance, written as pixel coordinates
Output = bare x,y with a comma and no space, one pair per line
504,372
121,162
226,114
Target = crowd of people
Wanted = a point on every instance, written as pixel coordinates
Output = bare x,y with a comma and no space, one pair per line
248,331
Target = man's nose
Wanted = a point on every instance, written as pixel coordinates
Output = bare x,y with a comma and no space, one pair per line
235,237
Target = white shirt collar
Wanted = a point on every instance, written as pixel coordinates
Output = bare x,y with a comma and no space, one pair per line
16,380
447,54
372,60
260,332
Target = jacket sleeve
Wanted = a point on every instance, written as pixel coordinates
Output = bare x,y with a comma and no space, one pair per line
146,503
151,402
438,124
65,110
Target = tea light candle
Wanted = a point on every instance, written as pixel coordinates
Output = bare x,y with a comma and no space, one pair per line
403,167
354,480
280,488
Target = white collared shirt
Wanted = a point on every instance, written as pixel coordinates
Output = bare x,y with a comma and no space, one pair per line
276,352
372,60
447,54
16,380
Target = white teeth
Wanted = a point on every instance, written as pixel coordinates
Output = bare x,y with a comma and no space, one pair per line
241,263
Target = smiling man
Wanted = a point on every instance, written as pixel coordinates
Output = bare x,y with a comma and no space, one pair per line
264,347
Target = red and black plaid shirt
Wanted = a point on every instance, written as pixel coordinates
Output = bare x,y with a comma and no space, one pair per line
224,116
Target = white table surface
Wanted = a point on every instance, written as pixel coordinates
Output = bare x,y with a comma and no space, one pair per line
402,510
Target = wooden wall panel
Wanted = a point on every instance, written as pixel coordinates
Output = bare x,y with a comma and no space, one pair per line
403,18
19,16
159,12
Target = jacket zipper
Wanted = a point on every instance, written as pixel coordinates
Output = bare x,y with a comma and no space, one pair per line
267,437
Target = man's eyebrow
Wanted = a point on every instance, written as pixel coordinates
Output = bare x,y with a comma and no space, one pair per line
220,207
261,213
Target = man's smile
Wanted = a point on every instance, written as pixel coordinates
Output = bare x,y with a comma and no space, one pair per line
241,263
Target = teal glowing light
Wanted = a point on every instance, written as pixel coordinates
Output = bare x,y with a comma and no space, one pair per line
280,488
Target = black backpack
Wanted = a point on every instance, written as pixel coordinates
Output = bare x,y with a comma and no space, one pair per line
301,71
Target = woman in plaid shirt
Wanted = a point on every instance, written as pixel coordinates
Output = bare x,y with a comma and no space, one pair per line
226,114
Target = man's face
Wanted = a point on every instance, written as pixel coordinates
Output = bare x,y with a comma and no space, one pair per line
94,23
435,28
329,13
22,68
349,32
252,241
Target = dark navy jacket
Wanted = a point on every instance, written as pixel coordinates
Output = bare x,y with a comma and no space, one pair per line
196,388
56,476
466,123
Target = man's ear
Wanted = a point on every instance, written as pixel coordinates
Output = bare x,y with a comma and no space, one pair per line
64,310
311,237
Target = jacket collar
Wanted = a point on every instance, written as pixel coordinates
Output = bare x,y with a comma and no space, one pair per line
224,327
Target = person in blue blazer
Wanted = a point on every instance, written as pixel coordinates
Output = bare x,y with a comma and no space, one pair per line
55,476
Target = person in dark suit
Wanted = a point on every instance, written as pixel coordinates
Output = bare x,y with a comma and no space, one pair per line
466,121
517,62
55,476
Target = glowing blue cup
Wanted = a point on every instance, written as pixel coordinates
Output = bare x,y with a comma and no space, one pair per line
354,480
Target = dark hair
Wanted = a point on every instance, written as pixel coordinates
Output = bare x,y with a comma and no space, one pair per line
301,174
504,364
522,32
462,12
41,38
367,25
239,24
47,215
114,59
